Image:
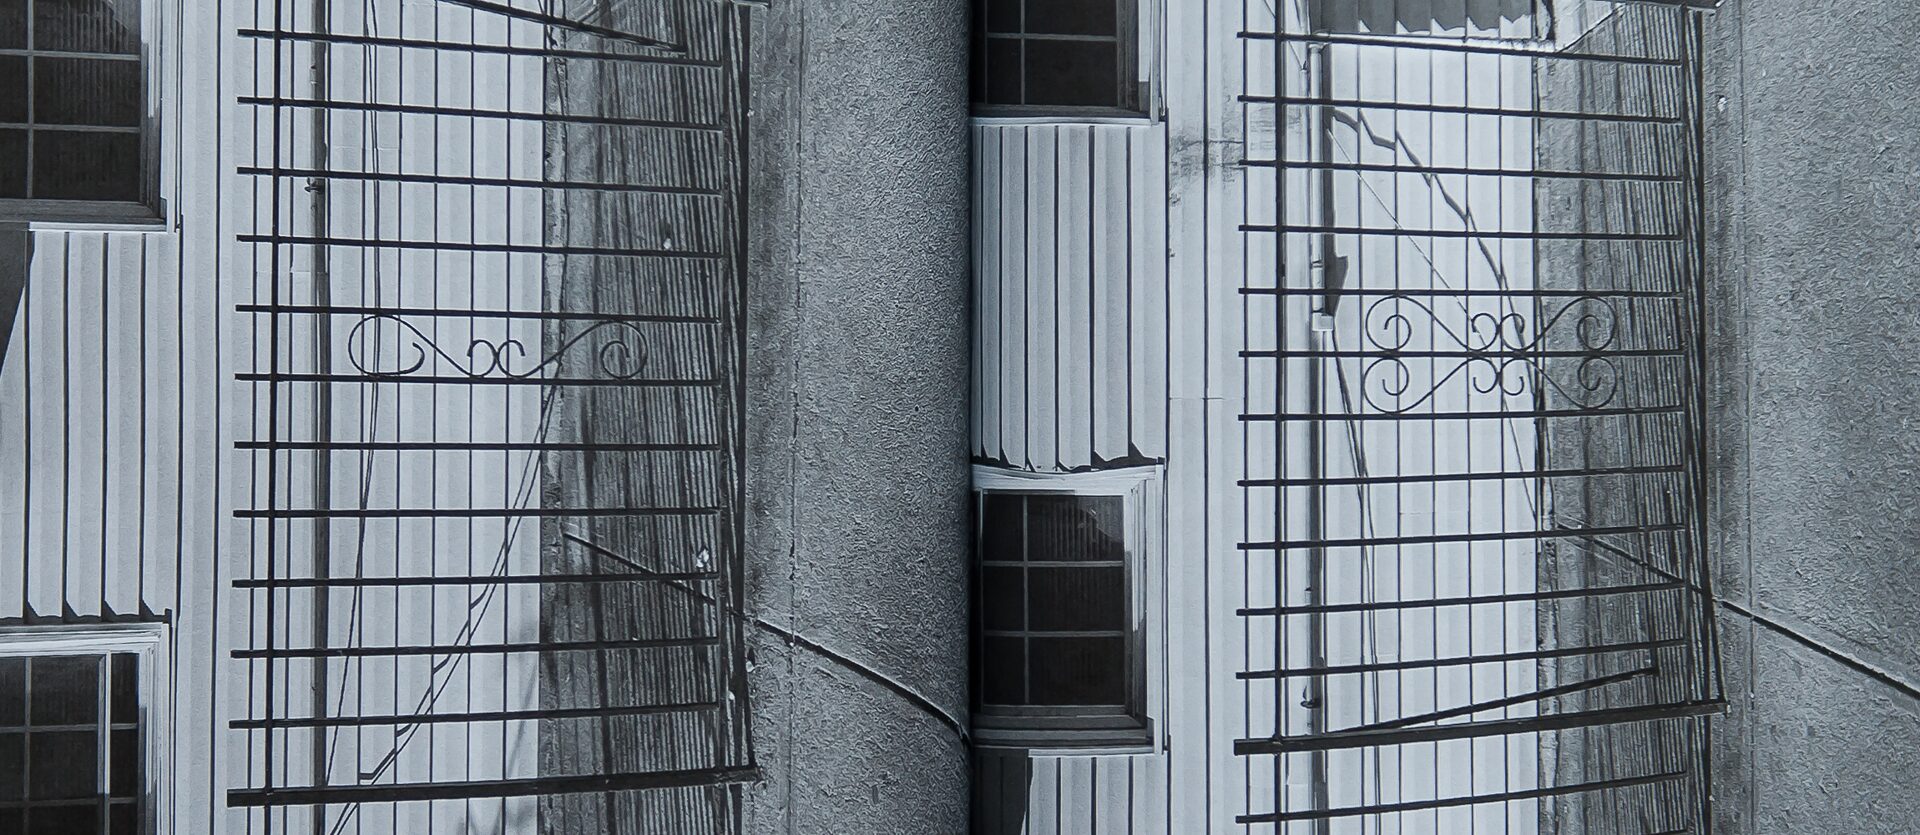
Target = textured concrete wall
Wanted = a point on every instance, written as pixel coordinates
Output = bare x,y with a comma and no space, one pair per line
858,350
1814,173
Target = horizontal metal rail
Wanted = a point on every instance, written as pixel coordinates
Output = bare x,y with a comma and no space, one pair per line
1459,660
1467,800
478,113
408,719
1496,234
1466,292
488,182
323,653
482,48
1490,353
1448,538
467,446
1337,740
1513,414
474,313
460,380
466,790
468,580
465,246
462,512
1465,110
1449,170
1470,600
1443,45
1541,695
1441,478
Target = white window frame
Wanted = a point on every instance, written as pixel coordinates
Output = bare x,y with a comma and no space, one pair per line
1140,490
151,212
148,641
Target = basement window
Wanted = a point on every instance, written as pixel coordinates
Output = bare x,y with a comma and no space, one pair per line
77,124
1063,627
76,742
1057,57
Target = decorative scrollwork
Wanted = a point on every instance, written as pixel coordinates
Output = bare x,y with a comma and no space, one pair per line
1501,354
621,358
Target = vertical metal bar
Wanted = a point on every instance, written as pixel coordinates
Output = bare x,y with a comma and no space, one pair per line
322,457
1321,142
103,746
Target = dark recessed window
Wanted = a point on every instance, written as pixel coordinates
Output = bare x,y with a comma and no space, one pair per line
1058,644
1056,54
71,744
73,100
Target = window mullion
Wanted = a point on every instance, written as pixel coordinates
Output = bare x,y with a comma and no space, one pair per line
103,774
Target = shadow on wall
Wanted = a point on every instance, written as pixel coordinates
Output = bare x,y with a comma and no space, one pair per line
1002,783
16,251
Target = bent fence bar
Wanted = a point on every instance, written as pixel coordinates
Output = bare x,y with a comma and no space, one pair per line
1478,597
494,510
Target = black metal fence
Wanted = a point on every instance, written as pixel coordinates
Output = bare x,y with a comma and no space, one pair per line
1473,487
496,376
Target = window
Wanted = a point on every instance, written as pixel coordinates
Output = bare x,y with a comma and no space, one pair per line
1056,55
76,134
1064,616
75,730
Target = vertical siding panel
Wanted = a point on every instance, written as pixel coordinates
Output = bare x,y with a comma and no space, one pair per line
43,311
1074,247
1014,153
987,289
1148,242
86,448
1077,801
1150,795
126,279
1112,287
1043,797
1042,298
13,470
160,422
1113,795
1186,712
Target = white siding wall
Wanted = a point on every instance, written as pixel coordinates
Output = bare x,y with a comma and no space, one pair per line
1070,284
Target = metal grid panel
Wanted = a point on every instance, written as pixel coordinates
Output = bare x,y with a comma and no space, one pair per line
496,493
1476,592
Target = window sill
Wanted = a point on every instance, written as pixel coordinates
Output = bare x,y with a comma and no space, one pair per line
1011,116
79,216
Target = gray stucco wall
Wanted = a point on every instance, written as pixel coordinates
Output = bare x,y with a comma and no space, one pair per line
1814,173
857,412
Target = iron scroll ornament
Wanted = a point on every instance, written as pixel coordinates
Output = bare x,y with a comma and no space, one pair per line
1498,353
621,359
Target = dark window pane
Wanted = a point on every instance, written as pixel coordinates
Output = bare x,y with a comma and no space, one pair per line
66,820
13,691
1079,671
1003,598
13,24
13,821
1072,73
123,763
1003,664
1078,598
86,166
63,765
87,25
1071,17
124,819
1003,15
86,91
126,687
1061,527
13,766
13,180
13,88
1000,528
1003,72
66,690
